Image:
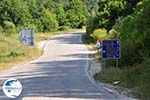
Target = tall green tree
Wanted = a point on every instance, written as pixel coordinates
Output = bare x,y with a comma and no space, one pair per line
109,11
76,13
56,8
42,15
133,31
14,11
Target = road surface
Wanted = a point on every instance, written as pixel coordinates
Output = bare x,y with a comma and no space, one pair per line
60,73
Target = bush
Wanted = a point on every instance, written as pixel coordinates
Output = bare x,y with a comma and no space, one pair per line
113,34
90,25
110,74
76,13
49,22
61,28
1,29
35,24
99,34
9,27
136,77
134,40
133,31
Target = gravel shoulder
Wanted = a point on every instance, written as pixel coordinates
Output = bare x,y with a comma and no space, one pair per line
95,67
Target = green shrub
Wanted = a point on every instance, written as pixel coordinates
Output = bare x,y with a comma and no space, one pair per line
133,31
110,74
76,13
49,22
9,27
137,78
134,65
90,25
99,34
1,29
61,28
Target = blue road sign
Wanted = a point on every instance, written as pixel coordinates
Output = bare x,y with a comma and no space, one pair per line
27,36
111,49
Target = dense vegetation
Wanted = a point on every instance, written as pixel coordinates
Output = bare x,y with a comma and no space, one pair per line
42,15
129,21
12,52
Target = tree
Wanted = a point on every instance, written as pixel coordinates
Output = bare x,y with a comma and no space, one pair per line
76,13
43,15
49,21
109,11
133,31
14,11
58,9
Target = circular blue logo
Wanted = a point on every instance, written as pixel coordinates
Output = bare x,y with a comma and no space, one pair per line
12,88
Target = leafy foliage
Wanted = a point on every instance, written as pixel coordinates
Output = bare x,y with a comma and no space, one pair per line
100,34
76,14
129,21
108,13
133,32
45,15
9,27
14,11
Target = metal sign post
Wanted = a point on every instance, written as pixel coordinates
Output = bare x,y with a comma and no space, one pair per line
116,63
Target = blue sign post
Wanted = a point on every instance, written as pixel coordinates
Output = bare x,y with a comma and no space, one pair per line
27,36
111,49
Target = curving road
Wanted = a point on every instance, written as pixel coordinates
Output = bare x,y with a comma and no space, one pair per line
60,73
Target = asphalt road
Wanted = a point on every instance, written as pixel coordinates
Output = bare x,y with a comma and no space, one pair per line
60,72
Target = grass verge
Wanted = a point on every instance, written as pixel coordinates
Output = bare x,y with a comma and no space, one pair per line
136,77
13,52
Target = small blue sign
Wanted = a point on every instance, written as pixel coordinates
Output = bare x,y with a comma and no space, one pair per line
27,36
111,49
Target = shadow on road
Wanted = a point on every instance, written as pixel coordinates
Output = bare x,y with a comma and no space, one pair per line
65,79
63,76
70,39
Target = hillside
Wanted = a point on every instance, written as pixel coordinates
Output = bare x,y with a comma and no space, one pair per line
129,22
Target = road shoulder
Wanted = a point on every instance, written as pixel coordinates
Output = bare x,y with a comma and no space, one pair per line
95,67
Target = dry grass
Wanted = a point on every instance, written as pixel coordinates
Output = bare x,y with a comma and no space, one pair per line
13,52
